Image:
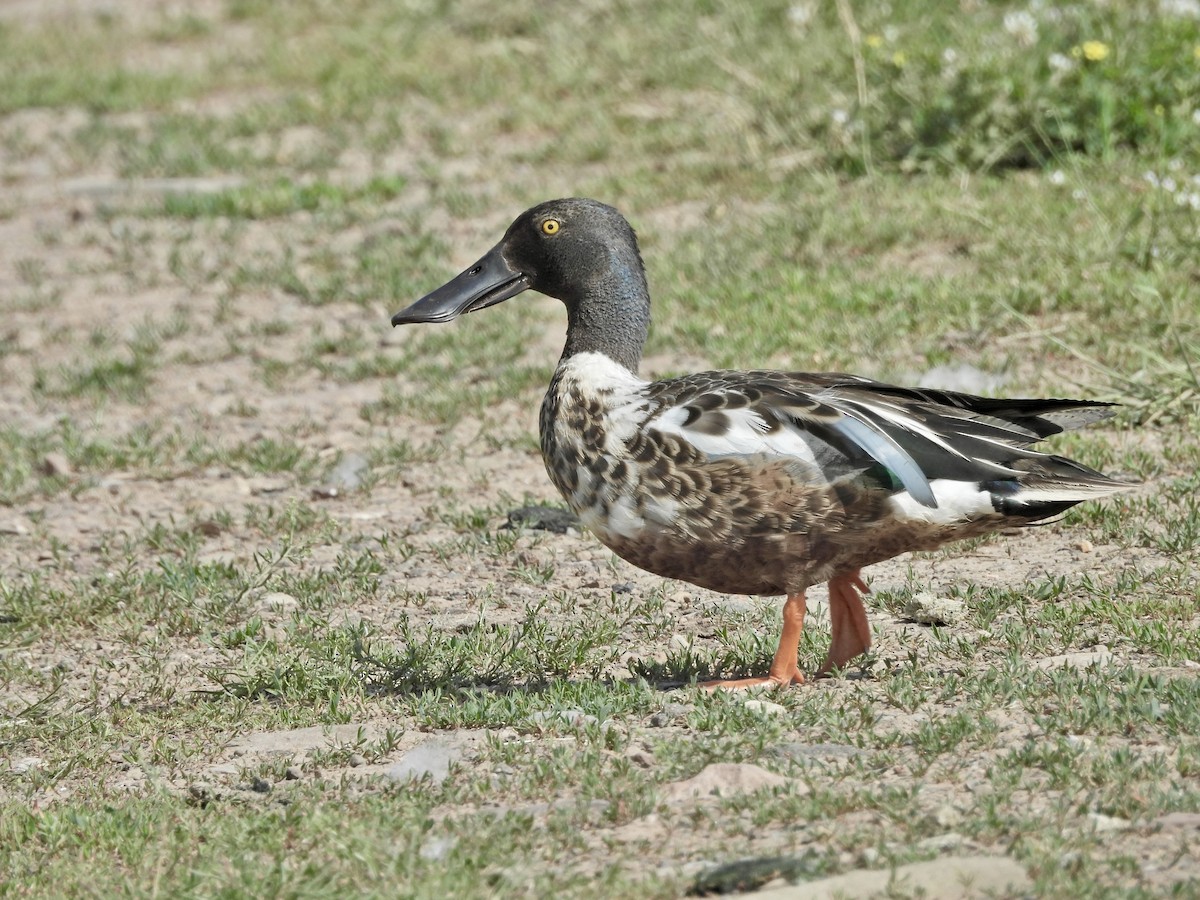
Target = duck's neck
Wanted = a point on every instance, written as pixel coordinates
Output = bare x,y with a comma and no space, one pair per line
611,315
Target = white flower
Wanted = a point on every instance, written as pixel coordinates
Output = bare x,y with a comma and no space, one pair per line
801,15
1183,9
1150,178
1058,176
1022,26
1196,117
1060,62
949,56
1191,200
839,116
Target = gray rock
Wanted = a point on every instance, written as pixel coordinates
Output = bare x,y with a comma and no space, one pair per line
640,757
949,878
543,518
431,758
1100,657
765,707
941,843
202,791
1102,823
930,609
749,874
55,464
947,816
25,764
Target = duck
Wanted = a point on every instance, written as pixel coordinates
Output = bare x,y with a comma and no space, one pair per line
757,482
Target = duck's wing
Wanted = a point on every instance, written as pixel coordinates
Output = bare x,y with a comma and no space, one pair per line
844,426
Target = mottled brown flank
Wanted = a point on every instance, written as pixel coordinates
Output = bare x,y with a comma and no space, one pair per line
759,530
742,525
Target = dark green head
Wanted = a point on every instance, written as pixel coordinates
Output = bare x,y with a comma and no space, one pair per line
581,252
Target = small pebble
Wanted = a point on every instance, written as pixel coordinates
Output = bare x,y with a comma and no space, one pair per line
356,760
947,816
766,707
940,843
1102,823
639,757
55,464
26,764
1084,546
293,773
209,528
260,786
660,720
930,609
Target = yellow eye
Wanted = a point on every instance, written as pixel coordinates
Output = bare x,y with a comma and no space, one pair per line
550,226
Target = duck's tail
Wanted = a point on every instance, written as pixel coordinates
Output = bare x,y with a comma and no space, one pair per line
1048,486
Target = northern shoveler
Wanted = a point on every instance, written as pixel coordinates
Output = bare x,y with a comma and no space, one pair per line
756,482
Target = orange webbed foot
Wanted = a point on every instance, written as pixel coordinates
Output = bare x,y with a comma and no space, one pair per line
848,620
785,670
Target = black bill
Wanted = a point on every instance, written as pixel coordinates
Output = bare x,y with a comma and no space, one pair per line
484,284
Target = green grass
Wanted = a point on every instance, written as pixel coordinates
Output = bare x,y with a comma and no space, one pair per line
279,198
868,189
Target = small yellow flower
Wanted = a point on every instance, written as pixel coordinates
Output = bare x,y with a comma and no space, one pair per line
874,40
899,59
1159,110
1095,51
1196,52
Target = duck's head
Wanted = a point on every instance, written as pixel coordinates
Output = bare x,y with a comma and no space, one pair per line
581,252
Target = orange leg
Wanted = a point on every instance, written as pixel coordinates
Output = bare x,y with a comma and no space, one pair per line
848,618
784,669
